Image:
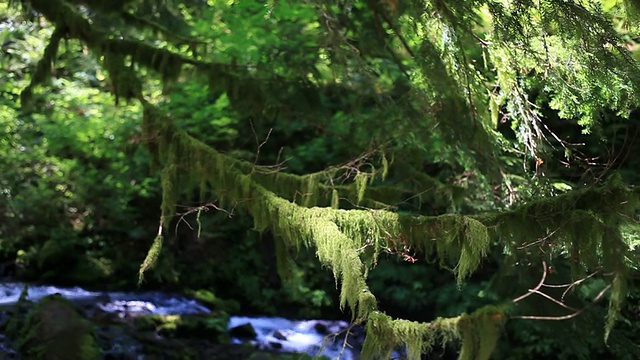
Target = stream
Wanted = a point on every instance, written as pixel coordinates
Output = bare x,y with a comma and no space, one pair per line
312,337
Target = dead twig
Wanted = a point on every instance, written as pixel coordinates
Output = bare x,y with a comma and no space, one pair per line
541,284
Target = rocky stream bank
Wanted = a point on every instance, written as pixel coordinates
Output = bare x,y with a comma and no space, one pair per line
47,322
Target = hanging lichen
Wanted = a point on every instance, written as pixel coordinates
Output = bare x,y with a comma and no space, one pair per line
384,334
284,264
416,338
348,242
151,259
170,189
448,330
311,193
380,339
303,210
475,243
618,294
43,69
335,199
361,185
480,333
385,167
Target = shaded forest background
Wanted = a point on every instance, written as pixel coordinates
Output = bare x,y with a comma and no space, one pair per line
80,197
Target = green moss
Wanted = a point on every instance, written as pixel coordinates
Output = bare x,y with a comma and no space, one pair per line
335,199
480,332
619,292
380,339
43,69
584,223
55,330
151,259
348,242
361,185
385,334
185,326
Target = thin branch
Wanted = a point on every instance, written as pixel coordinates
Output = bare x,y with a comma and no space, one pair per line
535,289
543,239
260,144
557,318
190,210
564,317
559,302
570,285
345,344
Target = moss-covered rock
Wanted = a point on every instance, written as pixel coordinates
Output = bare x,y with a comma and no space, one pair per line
209,299
55,330
211,328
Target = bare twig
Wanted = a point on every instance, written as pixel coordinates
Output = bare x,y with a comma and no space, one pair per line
260,144
536,290
556,301
564,317
345,343
543,239
570,285
330,338
202,208
532,291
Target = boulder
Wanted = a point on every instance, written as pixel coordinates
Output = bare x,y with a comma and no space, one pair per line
245,331
55,330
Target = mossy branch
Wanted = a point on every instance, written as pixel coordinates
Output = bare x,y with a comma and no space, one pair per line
44,67
338,236
152,255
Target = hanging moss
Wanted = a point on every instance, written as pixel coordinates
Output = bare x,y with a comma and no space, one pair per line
124,81
380,339
474,243
170,190
204,161
385,334
361,185
448,330
151,259
480,332
460,238
311,193
335,199
282,203
303,210
367,304
385,167
619,292
43,69
284,264
416,338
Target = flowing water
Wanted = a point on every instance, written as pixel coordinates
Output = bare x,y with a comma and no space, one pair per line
313,337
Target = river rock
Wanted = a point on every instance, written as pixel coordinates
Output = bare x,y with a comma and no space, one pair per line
280,335
244,331
55,330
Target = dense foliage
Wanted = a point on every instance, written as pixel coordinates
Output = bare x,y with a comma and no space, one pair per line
479,137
